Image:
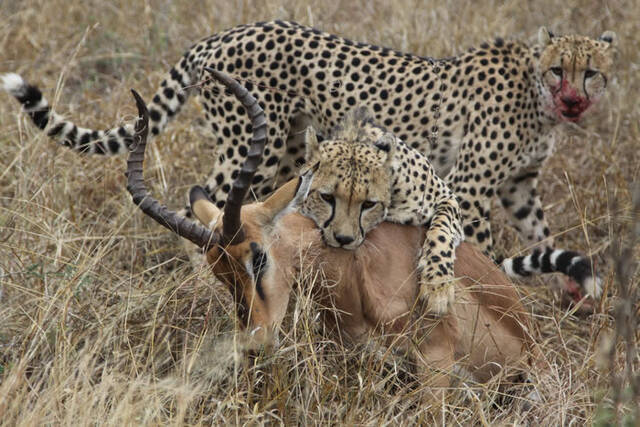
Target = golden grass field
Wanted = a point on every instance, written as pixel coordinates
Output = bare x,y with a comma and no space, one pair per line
103,322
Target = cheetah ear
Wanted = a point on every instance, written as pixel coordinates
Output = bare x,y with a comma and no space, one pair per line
311,144
544,36
387,143
609,37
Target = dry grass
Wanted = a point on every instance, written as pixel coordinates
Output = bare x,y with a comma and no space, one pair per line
102,321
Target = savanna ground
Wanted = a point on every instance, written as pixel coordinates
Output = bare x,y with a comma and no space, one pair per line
103,321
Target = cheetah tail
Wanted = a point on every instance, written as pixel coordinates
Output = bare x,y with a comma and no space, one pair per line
166,103
573,264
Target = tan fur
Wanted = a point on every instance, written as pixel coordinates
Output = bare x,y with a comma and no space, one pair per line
485,330
229,263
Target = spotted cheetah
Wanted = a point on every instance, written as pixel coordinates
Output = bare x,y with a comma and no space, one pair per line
484,118
363,175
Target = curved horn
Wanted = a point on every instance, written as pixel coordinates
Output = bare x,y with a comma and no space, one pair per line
232,227
196,233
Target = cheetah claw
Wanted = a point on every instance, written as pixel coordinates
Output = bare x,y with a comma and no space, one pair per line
438,301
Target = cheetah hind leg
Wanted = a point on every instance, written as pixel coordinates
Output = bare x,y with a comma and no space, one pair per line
295,148
270,177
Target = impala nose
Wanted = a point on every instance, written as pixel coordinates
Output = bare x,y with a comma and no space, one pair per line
343,240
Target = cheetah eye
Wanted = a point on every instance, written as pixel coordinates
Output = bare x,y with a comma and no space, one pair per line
327,197
557,71
368,204
589,73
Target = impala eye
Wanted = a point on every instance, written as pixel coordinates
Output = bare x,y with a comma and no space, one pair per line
259,267
557,71
368,204
589,73
327,197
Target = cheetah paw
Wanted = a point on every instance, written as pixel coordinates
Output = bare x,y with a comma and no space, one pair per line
439,300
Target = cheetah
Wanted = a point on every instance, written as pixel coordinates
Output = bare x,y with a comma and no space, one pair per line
485,118
363,175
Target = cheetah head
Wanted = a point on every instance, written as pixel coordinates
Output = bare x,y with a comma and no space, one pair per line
573,72
346,185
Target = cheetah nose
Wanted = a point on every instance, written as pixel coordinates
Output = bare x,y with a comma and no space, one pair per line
343,240
569,102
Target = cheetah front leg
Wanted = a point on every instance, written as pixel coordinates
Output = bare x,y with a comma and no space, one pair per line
521,201
475,213
435,264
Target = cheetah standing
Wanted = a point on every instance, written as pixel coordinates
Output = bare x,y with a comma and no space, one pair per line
484,118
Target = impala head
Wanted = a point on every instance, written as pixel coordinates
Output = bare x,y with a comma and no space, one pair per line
232,238
347,183
574,71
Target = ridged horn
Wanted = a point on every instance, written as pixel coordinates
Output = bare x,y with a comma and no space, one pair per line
232,232
184,227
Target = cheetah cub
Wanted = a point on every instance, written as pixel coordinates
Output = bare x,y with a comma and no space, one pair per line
363,175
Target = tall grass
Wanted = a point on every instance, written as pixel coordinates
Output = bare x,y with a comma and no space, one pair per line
102,321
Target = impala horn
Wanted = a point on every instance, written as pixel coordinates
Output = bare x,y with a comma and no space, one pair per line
232,232
231,226
184,227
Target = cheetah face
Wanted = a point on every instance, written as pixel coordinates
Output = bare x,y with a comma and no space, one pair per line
573,72
348,188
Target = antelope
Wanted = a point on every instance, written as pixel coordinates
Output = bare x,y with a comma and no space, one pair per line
258,249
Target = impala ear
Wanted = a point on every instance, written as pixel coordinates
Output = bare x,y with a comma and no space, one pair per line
544,36
311,144
203,207
279,200
609,37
